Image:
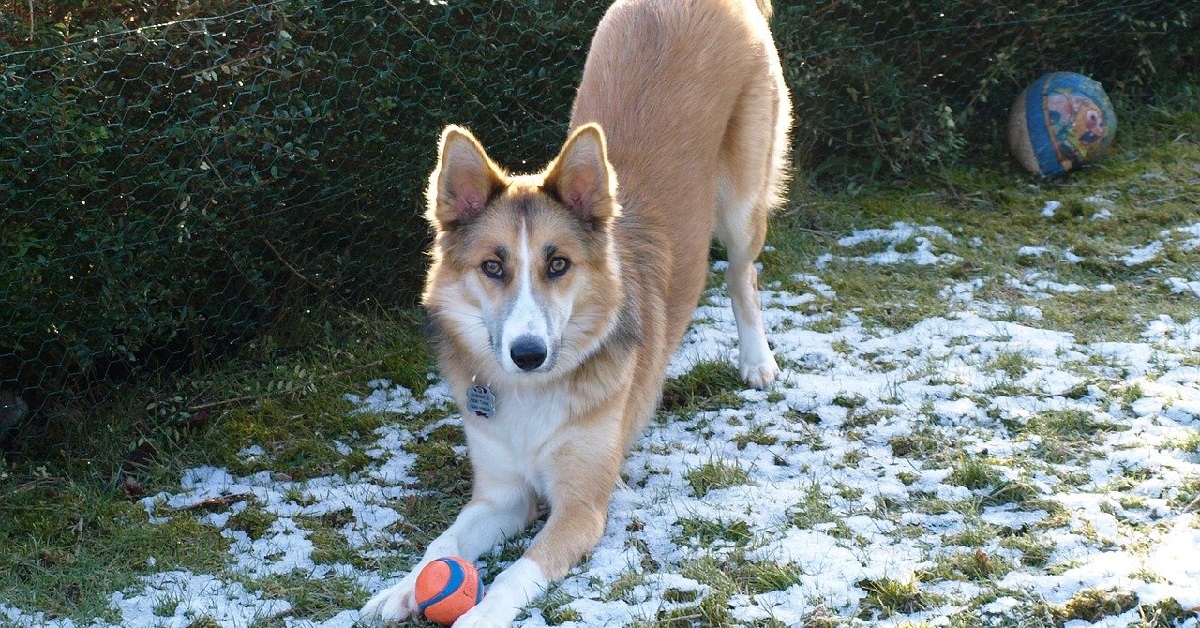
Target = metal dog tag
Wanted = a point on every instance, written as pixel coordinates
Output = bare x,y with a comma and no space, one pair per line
481,402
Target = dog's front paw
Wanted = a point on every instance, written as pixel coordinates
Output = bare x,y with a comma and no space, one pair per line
761,373
395,603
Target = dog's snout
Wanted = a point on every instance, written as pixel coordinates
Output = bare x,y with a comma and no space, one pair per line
528,352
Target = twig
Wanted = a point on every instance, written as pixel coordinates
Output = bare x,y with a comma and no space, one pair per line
295,272
225,402
817,232
1168,198
232,65
31,31
214,503
237,400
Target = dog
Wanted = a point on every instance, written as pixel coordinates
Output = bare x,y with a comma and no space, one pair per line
556,299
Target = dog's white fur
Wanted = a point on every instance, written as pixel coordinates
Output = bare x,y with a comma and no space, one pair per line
559,297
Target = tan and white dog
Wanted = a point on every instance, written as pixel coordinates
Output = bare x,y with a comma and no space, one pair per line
557,298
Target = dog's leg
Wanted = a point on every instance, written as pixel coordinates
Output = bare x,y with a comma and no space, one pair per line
578,500
749,184
571,530
497,510
742,228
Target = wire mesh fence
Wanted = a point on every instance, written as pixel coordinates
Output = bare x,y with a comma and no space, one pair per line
178,178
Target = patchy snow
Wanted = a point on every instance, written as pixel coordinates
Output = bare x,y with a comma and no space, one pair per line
1179,285
924,253
1143,254
1193,242
836,490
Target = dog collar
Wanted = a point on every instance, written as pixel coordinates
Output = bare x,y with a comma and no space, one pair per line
481,402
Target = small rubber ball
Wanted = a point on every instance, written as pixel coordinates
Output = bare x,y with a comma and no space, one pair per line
447,588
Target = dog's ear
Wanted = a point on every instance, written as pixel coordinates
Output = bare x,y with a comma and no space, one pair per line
581,177
463,181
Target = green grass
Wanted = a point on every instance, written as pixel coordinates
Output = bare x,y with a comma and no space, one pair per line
757,434
553,607
1063,433
813,510
974,473
1093,605
708,386
974,565
714,475
1013,365
69,536
1035,552
706,532
313,599
887,597
65,547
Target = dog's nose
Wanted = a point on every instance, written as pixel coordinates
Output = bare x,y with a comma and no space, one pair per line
528,352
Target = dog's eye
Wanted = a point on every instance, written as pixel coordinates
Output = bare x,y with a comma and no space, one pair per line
493,269
558,266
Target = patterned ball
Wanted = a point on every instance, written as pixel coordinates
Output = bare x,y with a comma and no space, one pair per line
447,588
1061,122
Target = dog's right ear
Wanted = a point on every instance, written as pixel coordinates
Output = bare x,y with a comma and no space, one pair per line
463,182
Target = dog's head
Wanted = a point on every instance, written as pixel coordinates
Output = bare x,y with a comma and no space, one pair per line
524,267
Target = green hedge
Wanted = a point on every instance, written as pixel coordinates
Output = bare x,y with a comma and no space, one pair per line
174,190
906,86
176,184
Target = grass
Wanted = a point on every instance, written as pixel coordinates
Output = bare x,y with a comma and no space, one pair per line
69,534
812,510
707,532
709,385
974,473
887,597
1035,552
316,600
72,532
1093,605
975,565
1064,433
715,475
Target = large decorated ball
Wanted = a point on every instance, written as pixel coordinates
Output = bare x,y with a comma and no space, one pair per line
1061,122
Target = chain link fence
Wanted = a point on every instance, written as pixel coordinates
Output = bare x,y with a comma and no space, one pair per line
176,179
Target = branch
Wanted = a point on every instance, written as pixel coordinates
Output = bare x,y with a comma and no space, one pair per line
295,272
236,400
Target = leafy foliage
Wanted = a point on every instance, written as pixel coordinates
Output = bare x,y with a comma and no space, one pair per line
182,187
887,88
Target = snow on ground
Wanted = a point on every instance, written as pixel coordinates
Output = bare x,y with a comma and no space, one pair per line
836,486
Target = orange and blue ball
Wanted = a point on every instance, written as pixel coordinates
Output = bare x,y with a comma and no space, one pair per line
447,588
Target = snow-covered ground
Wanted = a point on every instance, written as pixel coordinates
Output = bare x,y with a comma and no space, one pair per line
877,424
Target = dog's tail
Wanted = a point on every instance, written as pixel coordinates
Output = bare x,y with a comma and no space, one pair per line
765,7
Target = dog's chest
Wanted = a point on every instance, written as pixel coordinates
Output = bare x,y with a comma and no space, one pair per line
522,429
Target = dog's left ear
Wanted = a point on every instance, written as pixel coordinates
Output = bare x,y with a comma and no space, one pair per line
581,177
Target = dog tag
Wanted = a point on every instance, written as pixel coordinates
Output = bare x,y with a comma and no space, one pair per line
481,402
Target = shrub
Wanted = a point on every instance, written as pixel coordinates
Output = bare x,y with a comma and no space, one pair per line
897,88
177,188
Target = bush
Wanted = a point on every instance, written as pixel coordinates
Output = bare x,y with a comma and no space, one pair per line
178,188
897,88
